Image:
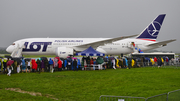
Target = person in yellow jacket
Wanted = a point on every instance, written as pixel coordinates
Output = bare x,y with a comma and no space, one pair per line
117,63
132,62
4,65
152,61
162,61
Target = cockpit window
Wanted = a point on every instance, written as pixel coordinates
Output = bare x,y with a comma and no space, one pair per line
13,44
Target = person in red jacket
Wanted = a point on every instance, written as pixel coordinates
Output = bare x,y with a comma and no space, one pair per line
167,61
155,60
34,65
59,65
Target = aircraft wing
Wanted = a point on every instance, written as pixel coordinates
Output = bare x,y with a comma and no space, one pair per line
102,42
164,43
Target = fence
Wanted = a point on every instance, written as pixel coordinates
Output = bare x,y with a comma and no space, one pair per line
120,98
170,96
174,95
161,97
175,64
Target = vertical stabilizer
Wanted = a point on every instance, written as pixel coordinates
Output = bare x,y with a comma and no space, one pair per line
151,32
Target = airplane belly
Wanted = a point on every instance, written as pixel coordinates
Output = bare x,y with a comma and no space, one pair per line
37,53
49,51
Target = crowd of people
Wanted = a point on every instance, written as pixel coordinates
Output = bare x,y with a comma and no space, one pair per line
43,64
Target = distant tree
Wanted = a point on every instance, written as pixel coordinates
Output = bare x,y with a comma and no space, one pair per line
3,51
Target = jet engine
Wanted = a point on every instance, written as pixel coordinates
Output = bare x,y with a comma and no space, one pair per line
63,52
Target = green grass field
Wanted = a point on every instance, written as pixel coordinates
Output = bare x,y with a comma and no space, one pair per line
89,85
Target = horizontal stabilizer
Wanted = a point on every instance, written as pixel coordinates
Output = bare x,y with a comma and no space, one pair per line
161,43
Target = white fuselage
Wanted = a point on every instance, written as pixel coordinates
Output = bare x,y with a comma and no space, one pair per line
48,46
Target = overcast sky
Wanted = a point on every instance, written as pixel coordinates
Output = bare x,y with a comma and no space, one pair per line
87,19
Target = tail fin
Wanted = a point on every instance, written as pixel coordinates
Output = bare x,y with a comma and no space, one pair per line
151,32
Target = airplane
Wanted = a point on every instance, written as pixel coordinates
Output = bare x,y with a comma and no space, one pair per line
64,47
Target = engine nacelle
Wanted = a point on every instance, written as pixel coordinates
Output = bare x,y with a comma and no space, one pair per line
63,52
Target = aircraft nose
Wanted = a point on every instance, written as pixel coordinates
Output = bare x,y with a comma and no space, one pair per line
10,49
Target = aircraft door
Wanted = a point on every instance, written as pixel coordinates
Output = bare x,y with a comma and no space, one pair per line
131,44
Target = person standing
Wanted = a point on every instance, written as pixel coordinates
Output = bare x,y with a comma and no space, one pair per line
99,61
109,63
9,67
79,64
42,65
18,66
126,62
69,62
84,64
94,64
59,65
15,66
23,65
114,63
159,62
51,65
5,66
26,63
167,60
1,65
38,65
75,65
65,64
91,63
88,61
155,60
55,64
46,64
129,63
162,62
28,66
34,65
117,63
62,60
9,70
